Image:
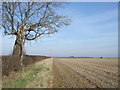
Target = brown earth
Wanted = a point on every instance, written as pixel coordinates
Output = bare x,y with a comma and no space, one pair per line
69,72
12,62
85,72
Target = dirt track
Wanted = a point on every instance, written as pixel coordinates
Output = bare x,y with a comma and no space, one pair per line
85,72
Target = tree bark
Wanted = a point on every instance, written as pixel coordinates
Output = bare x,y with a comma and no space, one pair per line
18,48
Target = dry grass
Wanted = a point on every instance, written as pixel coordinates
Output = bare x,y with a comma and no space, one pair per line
36,75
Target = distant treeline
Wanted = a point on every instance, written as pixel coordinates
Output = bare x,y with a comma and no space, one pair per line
79,57
86,57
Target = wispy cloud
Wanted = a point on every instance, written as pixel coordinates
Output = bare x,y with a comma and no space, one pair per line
95,25
97,19
101,17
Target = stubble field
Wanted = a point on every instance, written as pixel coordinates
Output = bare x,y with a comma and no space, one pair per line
85,72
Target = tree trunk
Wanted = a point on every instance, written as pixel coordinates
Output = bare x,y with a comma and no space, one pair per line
18,48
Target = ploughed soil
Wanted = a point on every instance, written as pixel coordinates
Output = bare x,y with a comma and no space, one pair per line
11,63
85,72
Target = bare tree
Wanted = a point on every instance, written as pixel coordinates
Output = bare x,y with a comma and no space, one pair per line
30,20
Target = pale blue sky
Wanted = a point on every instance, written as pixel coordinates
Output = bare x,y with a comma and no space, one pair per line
93,32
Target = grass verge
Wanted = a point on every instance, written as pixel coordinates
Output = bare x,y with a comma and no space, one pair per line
22,79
